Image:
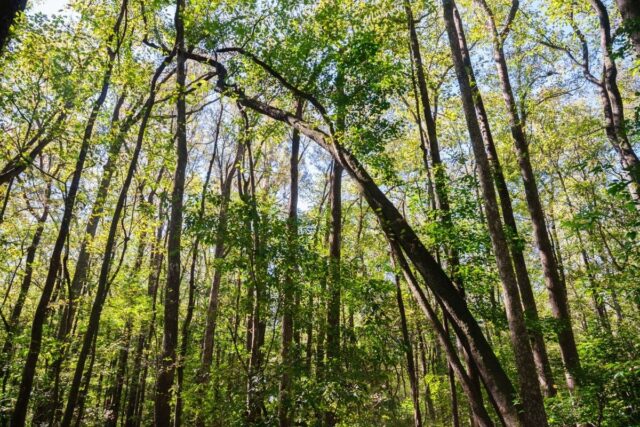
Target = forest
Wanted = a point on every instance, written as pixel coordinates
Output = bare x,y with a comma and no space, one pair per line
320,213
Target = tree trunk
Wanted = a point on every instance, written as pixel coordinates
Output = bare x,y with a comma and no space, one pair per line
166,370
104,281
49,408
333,305
258,296
114,395
289,291
541,358
556,288
472,392
529,388
28,372
613,107
14,319
192,277
206,358
411,369
395,225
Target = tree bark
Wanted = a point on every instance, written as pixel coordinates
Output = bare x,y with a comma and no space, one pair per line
541,359
529,387
14,319
613,107
556,287
333,289
411,369
285,406
28,372
166,370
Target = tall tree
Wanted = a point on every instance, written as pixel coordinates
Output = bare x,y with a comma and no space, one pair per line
166,371
288,296
28,372
529,387
556,288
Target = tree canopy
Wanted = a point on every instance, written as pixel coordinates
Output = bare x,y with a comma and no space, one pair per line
320,213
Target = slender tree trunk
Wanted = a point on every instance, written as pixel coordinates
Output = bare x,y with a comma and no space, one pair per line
395,225
333,306
541,358
453,395
614,108
192,278
472,392
411,369
207,346
138,378
441,192
428,401
104,280
529,387
166,371
257,323
284,408
14,319
114,395
28,373
49,409
82,264
556,288
82,397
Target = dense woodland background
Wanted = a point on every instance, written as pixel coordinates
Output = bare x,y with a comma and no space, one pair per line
320,213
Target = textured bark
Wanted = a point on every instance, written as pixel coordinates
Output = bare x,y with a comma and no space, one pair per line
541,359
166,369
556,287
534,412
333,288
613,106
258,296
